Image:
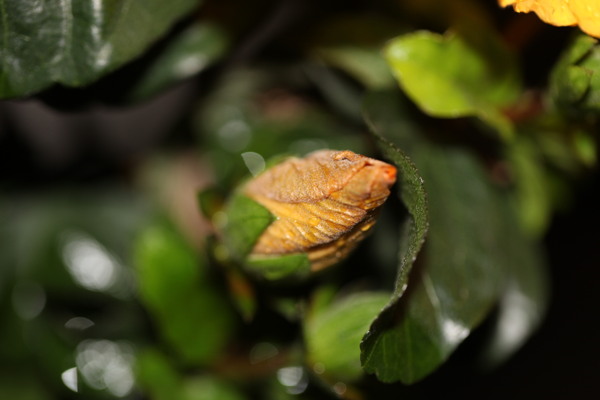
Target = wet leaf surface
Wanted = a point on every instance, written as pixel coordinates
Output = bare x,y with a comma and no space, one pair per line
76,42
471,246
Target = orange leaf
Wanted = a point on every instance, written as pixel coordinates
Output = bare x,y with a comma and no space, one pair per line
585,13
324,203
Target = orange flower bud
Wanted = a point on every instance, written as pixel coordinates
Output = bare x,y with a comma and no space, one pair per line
585,13
324,204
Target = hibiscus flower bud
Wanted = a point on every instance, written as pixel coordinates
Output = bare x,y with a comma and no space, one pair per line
322,205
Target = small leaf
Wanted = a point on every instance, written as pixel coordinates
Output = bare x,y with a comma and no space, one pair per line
246,221
333,334
190,313
455,76
76,42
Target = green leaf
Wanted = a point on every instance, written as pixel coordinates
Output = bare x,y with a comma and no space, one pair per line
190,52
159,379
334,333
523,304
532,194
411,190
456,76
76,42
473,241
192,315
245,222
575,79
156,376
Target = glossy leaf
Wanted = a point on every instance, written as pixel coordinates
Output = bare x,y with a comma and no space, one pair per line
334,332
465,262
76,42
192,51
523,303
170,274
455,76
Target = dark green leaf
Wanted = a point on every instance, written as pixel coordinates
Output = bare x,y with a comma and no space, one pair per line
76,42
334,332
364,64
472,244
192,51
192,315
455,76
523,303
575,79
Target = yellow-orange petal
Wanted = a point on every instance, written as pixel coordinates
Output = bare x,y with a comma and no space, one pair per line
585,13
324,203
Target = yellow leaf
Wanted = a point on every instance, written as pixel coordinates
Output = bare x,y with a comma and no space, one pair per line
324,203
585,13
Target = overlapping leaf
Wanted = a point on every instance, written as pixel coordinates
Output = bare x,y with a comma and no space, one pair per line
464,265
456,75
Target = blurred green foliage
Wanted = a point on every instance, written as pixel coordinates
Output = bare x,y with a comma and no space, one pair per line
124,290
